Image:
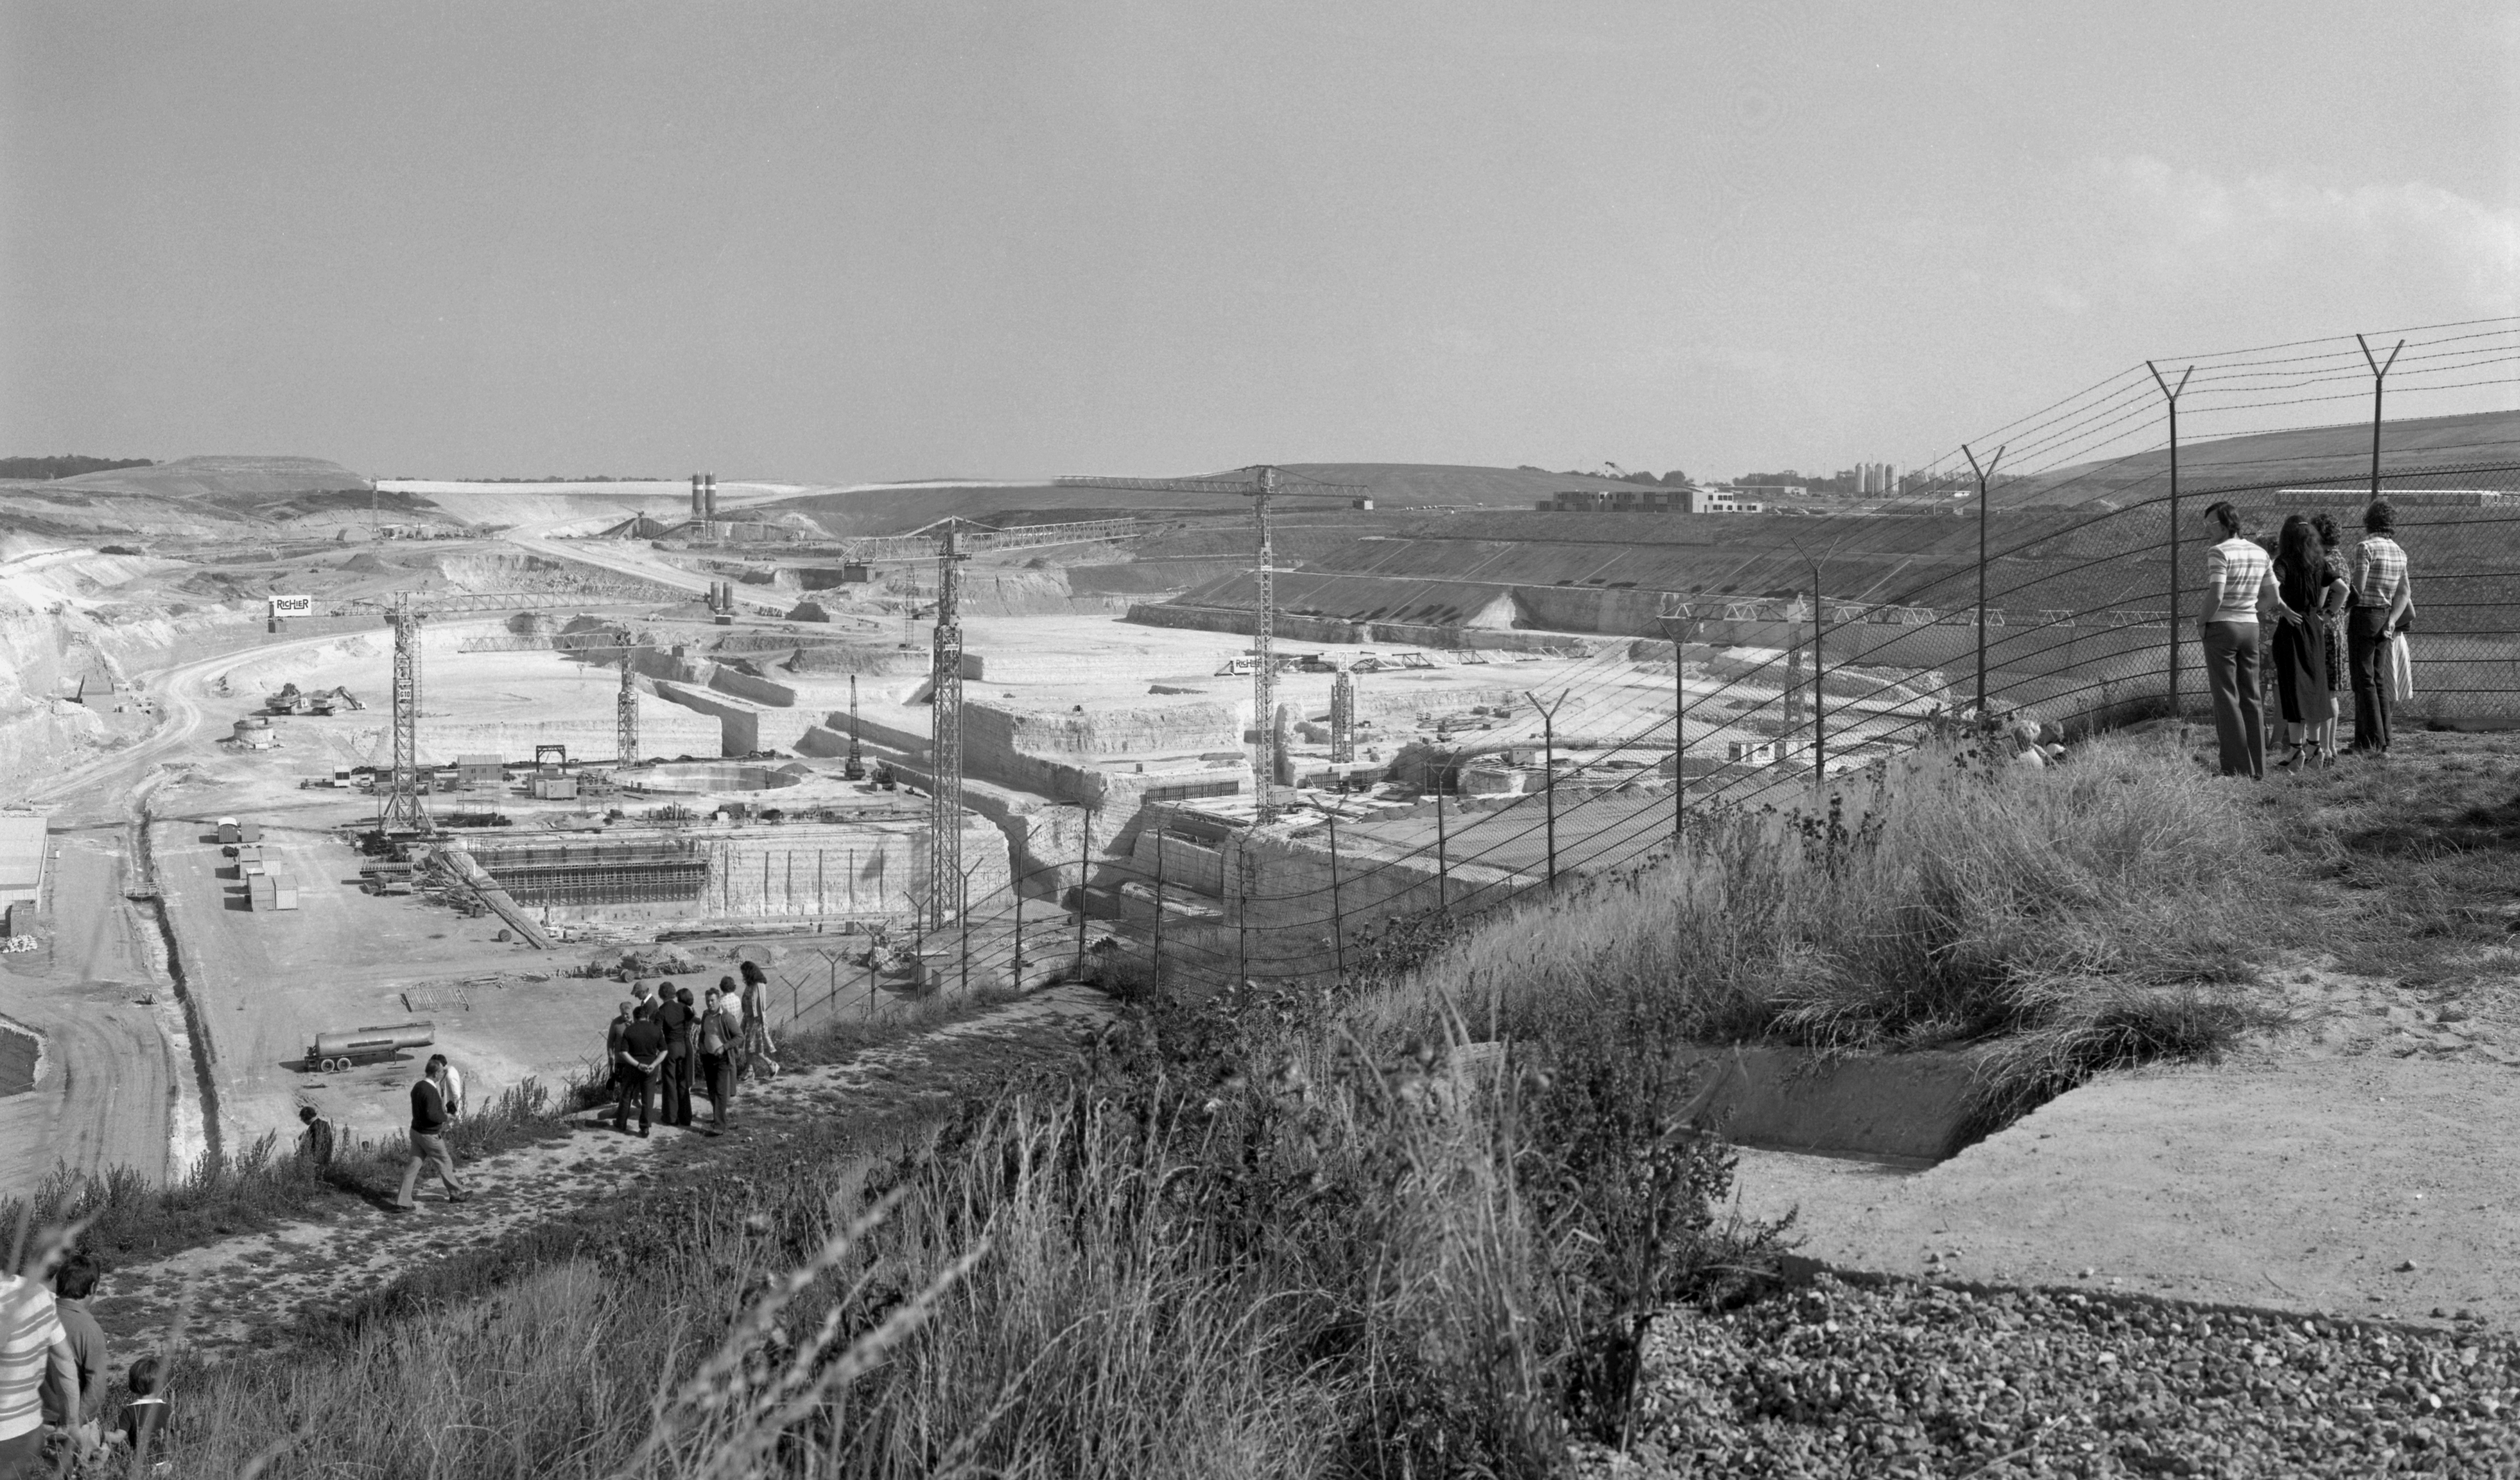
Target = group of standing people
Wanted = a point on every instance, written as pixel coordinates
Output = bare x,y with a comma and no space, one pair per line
664,1043
2340,624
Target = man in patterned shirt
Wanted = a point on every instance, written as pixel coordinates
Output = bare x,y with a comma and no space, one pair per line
2239,586
2382,596
34,1349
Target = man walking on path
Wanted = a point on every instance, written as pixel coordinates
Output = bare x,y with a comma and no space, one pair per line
35,1351
2382,594
428,1147
642,1050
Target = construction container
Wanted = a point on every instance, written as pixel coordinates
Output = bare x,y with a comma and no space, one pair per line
262,892
230,830
284,891
554,787
332,1052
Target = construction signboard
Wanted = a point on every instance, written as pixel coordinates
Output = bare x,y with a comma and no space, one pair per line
291,606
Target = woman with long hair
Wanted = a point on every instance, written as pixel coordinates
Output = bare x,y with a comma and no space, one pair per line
2330,618
2239,584
2303,678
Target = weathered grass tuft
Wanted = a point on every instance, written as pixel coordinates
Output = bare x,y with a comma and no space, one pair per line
2099,913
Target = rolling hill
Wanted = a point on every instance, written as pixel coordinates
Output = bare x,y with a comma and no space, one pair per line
207,498
2409,449
857,512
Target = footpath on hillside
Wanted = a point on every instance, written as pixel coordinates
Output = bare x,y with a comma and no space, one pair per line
235,1295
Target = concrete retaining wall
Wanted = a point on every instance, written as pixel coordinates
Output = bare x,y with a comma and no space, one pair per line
807,870
760,691
1908,1108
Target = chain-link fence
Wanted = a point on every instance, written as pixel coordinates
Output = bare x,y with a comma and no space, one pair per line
1762,663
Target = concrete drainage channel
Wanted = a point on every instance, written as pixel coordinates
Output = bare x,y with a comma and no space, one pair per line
1905,1110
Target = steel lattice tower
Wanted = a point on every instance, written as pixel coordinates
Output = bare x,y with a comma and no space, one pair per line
945,886
399,809
1259,488
625,716
1264,674
1342,718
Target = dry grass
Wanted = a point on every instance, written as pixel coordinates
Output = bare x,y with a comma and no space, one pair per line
1309,1236
129,1219
2074,919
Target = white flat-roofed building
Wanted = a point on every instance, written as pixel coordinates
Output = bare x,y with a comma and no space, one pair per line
23,854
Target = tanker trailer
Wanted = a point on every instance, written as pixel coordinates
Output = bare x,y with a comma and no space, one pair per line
352,1046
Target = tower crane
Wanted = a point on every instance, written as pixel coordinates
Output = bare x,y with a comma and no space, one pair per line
398,806
1259,485
946,885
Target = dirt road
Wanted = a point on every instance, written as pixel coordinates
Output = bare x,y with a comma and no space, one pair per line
116,1089
111,1075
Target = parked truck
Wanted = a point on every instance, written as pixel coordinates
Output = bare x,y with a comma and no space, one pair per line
350,1047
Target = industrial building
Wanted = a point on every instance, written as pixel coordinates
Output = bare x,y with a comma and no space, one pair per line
22,852
1646,499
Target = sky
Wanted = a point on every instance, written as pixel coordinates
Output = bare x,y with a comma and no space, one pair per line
828,241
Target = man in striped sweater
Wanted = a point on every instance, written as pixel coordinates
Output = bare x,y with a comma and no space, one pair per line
34,1350
2382,598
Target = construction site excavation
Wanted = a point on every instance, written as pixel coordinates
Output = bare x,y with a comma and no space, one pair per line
475,766
462,772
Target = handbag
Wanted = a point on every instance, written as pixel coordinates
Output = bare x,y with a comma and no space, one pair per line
2401,674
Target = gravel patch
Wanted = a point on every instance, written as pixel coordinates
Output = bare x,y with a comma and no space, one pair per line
1914,1379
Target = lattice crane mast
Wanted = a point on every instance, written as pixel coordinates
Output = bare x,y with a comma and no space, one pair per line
399,808
1259,485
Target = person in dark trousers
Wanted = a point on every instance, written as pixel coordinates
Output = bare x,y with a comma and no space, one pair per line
428,1147
144,1418
319,1140
2382,594
2239,583
718,1042
675,1016
642,1058
73,1284
613,1032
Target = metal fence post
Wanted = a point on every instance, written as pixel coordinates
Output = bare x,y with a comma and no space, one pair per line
2379,375
2170,393
1338,911
1443,869
1982,471
1549,780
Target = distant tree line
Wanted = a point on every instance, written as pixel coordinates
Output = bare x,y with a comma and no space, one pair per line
66,466
1672,480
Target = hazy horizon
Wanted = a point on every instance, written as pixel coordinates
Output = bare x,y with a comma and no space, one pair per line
847,242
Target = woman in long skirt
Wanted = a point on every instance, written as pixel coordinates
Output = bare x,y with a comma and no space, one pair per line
2340,590
2303,678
